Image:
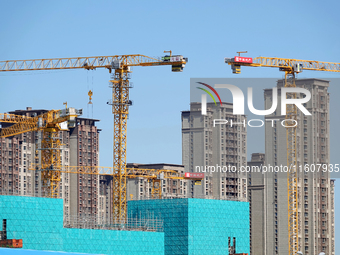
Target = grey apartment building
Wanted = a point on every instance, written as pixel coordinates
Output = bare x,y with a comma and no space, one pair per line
80,147
257,204
204,145
84,151
315,191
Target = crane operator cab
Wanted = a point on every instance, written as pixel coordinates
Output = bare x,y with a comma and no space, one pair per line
176,58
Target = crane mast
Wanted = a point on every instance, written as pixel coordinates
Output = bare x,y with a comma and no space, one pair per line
291,67
120,110
292,186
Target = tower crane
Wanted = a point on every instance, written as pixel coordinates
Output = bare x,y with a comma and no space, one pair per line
49,124
291,67
153,175
121,65
51,165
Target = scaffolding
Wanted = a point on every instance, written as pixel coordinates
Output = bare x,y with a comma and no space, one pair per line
131,224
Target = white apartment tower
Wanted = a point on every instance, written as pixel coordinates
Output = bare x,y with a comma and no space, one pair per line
204,145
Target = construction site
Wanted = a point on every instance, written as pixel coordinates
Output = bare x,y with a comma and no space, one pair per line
74,205
54,196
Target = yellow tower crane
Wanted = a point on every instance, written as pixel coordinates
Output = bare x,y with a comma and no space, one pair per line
49,124
153,175
291,67
120,100
51,163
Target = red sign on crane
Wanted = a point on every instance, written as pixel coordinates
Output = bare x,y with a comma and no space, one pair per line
194,175
243,59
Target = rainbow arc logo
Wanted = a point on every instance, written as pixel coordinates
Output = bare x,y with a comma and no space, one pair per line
209,93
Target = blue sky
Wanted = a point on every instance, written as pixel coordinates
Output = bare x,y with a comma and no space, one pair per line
203,31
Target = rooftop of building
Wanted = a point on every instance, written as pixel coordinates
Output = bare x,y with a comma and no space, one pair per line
280,82
257,157
152,165
195,106
41,111
81,118
28,110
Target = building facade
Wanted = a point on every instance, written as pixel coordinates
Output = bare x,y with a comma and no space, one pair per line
84,147
206,146
315,197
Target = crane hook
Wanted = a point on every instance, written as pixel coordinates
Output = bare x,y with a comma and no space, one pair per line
90,96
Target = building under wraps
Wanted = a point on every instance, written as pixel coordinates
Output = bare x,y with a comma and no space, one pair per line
198,226
168,226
